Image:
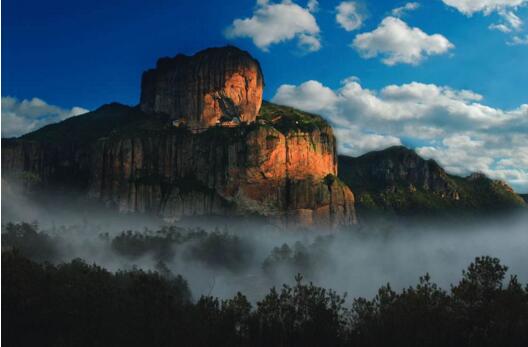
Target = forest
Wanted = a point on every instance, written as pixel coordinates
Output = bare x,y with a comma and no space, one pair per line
75,303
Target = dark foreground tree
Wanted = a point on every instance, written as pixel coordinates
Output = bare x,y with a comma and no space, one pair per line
76,304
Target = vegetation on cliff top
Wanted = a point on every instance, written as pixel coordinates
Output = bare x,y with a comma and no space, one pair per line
120,120
286,119
88,127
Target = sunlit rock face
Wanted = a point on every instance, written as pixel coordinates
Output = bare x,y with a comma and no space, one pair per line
288,178
201,90
274,161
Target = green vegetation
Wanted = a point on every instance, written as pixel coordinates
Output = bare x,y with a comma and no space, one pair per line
88,127
215,249
286,119
76,304
29,242
398,182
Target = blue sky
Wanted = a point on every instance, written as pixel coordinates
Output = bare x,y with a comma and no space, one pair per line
60,58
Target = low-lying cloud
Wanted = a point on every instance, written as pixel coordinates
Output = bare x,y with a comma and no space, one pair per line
252,257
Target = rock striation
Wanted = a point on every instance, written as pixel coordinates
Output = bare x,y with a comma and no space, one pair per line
214,85
289,178
246,171
277,163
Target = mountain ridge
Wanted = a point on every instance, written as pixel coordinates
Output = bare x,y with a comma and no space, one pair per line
229,153
397,181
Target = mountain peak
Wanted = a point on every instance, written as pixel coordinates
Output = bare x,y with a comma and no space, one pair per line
212,86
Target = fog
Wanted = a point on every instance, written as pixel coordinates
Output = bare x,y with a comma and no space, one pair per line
356,261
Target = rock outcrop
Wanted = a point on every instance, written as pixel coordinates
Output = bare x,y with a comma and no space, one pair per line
214,85
282,168
231,171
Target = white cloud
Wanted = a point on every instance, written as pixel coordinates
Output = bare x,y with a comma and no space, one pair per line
469,7
518,41
20,117
500,27
511,22
348,16
505,9
452,126
313,5
400,11
274,23
398,43
512,19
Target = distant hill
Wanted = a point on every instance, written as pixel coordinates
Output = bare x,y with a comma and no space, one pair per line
398,182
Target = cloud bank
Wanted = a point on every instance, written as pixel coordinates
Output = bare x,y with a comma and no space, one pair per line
20,117
452,126
505,9
274,23
469,7
398,43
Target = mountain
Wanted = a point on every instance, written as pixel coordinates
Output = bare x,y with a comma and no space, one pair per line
398,182
200,143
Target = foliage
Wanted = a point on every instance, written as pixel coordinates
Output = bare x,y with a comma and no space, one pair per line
88,127
27,239
76,304
220,250
301,259
397,181
286,119
215,249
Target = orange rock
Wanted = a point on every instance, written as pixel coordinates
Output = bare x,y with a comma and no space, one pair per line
201,90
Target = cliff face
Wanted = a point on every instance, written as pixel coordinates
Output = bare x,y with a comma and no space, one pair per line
213,85
224,171
396,181
283,172
193,148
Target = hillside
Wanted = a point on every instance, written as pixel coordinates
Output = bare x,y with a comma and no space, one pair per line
398,182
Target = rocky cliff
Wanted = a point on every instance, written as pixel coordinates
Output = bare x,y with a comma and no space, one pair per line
282,167
181,153
398,182
214,85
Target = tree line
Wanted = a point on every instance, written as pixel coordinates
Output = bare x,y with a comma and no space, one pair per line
78,304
